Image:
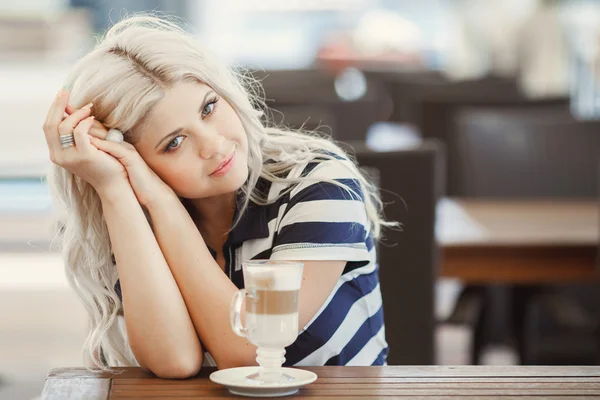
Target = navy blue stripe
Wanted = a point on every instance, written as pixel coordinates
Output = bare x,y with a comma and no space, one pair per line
237,277
309,168
323,328
254,223
331,154
313,164
380,360
273,209
370,243
352,265
362,336
321,232
263,255
328,191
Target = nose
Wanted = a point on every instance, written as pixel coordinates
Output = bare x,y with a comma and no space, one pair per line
211,145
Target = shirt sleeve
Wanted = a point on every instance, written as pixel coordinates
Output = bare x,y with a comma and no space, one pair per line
323,221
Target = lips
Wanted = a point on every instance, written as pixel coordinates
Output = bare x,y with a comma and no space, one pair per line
223,165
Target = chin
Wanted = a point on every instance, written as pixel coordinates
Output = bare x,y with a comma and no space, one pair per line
240,177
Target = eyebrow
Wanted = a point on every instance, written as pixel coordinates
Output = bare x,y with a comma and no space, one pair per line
179,130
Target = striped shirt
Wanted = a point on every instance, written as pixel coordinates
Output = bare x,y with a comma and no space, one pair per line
319,221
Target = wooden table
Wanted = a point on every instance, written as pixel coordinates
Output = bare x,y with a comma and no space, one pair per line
344,383
519,241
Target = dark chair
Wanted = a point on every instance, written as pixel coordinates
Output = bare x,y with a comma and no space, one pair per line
516,153
309,99
598,269
529,153
430,102
414,91
410,183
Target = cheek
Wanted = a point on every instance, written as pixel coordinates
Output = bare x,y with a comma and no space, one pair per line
184,184
178,180
231,125
173,174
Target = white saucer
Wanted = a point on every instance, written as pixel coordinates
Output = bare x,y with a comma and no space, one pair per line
235,380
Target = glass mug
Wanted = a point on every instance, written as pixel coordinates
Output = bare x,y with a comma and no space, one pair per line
271,304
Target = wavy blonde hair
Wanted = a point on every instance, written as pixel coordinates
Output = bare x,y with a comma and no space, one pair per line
125,75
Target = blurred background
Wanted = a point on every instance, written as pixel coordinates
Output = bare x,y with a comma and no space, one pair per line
479,120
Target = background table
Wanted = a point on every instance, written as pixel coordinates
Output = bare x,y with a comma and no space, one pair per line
344,382
519,241
508,252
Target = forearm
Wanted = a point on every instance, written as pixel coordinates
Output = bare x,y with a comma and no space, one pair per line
159,327
205,287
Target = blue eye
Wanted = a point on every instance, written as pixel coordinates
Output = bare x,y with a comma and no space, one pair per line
209,107
174,144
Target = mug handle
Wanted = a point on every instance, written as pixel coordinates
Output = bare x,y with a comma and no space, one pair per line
235,312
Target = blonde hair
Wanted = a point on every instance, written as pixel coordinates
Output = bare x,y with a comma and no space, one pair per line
125,75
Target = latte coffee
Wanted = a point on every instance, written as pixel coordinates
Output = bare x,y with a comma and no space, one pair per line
272,310
273,302
270,301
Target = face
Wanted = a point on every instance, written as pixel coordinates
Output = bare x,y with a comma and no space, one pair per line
195,142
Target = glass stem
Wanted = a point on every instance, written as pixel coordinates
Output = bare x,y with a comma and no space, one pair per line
270,361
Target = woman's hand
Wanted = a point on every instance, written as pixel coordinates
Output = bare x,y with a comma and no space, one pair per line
84,160
145,183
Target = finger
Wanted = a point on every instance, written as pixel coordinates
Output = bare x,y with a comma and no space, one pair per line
53,119
69,123
124,152
57,108
116,150
98,130
70,109
82,139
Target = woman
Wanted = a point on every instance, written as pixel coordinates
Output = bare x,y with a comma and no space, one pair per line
157,226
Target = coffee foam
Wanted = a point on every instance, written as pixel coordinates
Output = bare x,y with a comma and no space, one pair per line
274,278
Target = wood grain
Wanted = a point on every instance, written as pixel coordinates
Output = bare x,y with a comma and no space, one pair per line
427,382
395,371
520,264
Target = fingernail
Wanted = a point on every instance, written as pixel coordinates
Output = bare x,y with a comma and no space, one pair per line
88,106
67,86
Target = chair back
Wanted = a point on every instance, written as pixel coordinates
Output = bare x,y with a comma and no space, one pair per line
410,185
525,153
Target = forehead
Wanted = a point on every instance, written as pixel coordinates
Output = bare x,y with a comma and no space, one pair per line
169,113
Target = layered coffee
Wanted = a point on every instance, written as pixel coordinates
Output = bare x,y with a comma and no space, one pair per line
272,310
273,302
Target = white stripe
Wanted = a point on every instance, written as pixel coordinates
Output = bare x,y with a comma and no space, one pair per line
321,252
361,310
365,270
368,354
238,259
324,252
327,211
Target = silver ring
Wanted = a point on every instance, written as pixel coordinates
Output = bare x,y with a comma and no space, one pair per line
114,135
67,141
